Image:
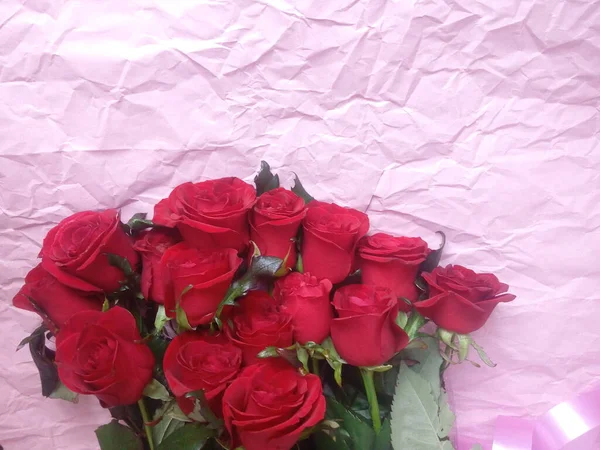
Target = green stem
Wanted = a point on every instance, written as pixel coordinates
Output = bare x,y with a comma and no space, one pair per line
315,366
367,376
146,420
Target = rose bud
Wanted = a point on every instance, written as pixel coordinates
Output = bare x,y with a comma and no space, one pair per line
330,237
306,300
210,214
365,332
75,251
461,300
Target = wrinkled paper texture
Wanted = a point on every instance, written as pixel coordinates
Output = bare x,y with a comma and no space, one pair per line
477,118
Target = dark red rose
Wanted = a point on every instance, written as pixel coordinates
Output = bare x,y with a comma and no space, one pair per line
56,300
270,404
210,214
195,361
274,223
102,354
209,272
365,332
259,322
461,300
392,262
330,237
75,251
151,245
306,300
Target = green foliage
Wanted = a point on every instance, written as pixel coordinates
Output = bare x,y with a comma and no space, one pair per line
265,180
115,436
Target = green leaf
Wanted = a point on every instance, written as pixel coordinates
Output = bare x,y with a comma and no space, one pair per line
414,324
433,259
383,440
299,264
483,355
332,440
34,335
202,410
161,319
429,365
265,266
446,415
188,437
157,391
139,222
401,319
265,180
381,368
362,434
163,429
447,337
105,305
64,393
299,190
180,315
269,352
115,436
477,447
302,355
120,263
415,420
44,363
464,342
334,359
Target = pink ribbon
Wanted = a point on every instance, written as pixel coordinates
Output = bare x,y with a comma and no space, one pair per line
571,425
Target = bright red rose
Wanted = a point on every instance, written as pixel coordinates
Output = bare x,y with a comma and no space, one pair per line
461,300
56,300
274,223
210,214
102,354
270,404
195,361
330,237
75,251
209,272
365,332
259,322
306,300
151,245
392,262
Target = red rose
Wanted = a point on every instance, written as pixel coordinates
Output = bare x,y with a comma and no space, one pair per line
392,262
195,361
274,222
56,300
365,332
209,272
270,404
210,214
461,300
103,354
152,245
75,251
330,237
259,322
306,300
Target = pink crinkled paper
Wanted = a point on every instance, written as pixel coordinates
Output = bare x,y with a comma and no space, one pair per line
476,118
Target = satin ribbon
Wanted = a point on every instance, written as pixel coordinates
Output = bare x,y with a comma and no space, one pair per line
571,425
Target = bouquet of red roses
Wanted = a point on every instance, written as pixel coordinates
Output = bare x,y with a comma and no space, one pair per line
254,318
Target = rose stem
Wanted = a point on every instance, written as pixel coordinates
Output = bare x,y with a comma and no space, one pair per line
367,376
146,420
315,366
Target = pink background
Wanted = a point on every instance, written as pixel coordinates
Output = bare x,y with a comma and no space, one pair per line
478,118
